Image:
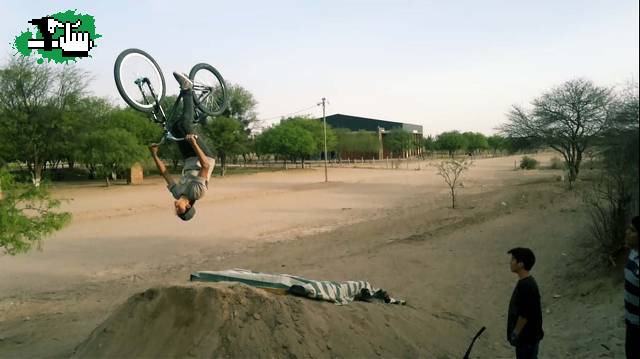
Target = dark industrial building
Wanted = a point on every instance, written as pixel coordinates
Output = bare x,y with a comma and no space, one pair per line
355,123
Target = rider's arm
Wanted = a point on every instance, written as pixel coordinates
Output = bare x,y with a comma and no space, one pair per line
161,167
522,321
204,162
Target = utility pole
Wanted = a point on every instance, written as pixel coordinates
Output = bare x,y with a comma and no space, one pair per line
324,121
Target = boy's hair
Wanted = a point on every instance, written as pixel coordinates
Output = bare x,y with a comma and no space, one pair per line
523,255
189,213
635,221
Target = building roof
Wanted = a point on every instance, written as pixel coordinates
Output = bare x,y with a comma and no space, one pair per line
356,123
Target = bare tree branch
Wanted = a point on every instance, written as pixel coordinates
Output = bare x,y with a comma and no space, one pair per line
566,119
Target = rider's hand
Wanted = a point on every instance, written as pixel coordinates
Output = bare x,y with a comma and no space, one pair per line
153,148
191,137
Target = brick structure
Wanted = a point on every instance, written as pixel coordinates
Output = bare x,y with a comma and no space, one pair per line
136,174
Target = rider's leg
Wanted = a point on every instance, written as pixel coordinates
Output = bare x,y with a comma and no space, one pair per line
187,110
185,124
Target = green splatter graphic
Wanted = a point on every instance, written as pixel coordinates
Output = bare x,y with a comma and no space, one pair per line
55,55
20,44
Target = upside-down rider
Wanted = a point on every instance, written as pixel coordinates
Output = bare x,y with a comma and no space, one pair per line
198,161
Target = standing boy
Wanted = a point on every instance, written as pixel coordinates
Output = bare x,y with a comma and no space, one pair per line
524,323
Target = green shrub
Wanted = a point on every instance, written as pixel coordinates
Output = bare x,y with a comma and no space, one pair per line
557,164
528,163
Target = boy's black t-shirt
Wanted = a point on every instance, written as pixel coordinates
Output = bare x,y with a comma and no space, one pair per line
525,302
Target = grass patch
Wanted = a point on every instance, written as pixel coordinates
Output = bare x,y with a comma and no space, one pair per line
231,171
528,163
557,164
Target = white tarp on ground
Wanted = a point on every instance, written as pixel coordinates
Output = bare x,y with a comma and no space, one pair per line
331,291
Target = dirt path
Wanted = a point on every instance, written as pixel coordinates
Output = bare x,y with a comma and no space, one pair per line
393,228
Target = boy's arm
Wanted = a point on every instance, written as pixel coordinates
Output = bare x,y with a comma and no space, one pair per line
161,167
204,162
520,325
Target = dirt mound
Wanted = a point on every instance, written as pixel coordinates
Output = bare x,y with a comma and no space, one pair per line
235,320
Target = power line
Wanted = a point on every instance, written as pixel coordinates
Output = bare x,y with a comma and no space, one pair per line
291,113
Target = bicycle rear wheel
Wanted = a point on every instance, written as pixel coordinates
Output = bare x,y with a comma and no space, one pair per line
209,89
139,79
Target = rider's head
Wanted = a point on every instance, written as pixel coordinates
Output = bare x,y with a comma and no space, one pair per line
185,208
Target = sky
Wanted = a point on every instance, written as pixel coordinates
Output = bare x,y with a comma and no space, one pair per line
445,65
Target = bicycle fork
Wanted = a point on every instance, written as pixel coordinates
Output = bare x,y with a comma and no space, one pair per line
157,106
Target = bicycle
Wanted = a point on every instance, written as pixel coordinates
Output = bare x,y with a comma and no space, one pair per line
141,84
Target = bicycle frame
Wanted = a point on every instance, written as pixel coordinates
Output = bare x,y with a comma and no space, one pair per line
158,113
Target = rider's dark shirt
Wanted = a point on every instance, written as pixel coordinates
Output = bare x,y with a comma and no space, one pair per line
525,302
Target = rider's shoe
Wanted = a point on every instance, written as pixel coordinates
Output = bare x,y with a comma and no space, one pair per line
183,80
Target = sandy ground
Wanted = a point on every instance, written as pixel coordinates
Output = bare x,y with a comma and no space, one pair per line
393,228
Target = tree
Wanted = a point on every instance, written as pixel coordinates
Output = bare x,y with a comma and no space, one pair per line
227,137
121,148
429,144
266,142
241,106
451,142
170,152
475,141
613,198
451,171
113,149
136,123
568,119
356,144
316,129
34,100
26,215
85,115
398,141
294,141
289,140
496,143
522,144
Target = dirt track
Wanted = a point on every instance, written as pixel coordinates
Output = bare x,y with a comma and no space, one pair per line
390,227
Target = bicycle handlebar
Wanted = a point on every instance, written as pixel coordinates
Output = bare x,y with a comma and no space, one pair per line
171,137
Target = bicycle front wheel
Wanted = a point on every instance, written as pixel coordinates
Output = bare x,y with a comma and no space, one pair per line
209,89
139,79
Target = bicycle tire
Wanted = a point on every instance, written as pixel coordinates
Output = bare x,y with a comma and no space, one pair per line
122,89
211,105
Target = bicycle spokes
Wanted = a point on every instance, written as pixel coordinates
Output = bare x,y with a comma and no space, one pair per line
208,89
141,84
139,79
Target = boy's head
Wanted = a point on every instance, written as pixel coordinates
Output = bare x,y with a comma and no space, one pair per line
521,258
185,208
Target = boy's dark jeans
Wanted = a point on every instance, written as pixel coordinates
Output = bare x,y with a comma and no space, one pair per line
184,124
527,350
631,341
